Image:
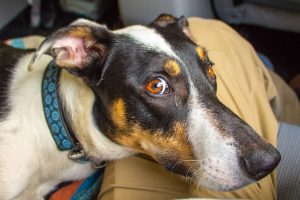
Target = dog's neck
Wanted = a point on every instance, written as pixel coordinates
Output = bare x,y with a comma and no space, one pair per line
78,100
55,116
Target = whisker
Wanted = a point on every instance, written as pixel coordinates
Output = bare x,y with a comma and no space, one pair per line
176,101
181,161
186,175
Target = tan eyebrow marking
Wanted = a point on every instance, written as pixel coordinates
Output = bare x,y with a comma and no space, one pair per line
172,67
201,53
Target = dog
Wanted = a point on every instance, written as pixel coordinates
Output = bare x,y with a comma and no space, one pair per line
140,89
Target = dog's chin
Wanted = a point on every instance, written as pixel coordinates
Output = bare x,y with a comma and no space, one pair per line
212,178
221,184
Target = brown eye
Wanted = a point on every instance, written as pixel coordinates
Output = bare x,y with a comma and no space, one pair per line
157,86
211,72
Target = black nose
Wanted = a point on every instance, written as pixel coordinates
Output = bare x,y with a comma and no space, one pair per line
261,162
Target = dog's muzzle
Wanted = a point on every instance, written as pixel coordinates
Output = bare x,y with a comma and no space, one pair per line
228,153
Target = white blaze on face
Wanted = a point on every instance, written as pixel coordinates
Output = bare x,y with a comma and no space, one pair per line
217,166
82,21
149,39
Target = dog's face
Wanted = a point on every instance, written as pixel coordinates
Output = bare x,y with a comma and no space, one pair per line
155,93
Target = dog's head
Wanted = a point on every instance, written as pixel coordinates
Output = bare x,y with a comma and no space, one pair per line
155,92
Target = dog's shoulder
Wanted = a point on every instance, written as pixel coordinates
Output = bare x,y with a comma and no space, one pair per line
9,57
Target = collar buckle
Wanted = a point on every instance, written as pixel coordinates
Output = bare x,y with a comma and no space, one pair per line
77,154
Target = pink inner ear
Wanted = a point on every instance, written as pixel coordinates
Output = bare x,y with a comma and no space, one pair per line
71,51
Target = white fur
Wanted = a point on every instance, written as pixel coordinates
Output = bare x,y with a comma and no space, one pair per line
87,22
149,39
217,160
31,165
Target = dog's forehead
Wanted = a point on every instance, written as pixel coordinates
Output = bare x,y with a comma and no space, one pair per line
149,38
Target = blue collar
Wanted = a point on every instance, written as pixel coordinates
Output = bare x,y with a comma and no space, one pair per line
59,127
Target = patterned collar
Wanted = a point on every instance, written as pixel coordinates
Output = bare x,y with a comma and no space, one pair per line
59,127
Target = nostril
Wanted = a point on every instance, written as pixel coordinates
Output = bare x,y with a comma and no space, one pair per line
261,163
254,169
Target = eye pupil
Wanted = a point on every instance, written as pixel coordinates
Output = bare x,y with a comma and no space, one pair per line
157,86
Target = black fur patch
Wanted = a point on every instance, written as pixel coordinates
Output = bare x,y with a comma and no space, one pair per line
8,59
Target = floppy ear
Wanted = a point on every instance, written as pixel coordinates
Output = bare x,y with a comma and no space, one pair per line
76,46
165,20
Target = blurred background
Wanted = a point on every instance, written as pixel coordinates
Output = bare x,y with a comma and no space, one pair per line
272,26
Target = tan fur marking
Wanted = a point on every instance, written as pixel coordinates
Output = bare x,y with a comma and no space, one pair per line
157,143
201,53
164,20
118,113
81,32
84,33
172,68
